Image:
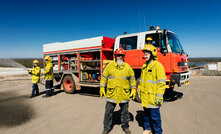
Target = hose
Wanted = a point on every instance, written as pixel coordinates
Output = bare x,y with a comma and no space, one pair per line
42,80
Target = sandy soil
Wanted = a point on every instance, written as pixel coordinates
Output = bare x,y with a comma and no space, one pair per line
193,109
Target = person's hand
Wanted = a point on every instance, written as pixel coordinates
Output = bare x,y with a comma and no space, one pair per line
102,92
29,71
158,101
133,93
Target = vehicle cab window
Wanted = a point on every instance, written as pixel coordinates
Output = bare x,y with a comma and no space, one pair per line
158,40
128,43
155,37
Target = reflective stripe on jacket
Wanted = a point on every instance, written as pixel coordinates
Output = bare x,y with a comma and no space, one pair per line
36,72
119,80
152,83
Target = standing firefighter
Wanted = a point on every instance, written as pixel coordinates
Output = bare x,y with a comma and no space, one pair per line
35,72
118,78
48,72
151,89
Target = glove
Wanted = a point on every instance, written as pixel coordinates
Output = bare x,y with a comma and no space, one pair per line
29,71
158,101
102,92
133,93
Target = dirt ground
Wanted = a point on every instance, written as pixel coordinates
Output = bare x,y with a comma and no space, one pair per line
193,109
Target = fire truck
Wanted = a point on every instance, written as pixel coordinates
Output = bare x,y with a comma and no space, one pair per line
80,63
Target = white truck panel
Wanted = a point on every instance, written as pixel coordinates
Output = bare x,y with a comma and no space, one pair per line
84,43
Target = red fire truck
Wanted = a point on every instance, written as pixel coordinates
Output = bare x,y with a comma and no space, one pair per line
81,62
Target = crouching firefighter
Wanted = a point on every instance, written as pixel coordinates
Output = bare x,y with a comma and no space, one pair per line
151,90
48,76
119,80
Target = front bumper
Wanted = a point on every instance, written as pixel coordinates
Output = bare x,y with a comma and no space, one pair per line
181,78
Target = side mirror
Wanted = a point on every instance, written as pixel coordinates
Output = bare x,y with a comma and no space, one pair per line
163,51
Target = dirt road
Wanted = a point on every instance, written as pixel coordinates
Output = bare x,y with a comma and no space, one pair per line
193,109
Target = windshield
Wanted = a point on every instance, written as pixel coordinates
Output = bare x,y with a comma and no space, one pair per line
175,43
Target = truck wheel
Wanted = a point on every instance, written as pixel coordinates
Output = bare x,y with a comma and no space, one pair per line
68,84
137,98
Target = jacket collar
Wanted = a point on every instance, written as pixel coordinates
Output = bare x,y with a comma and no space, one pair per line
115,64
150,65
35,66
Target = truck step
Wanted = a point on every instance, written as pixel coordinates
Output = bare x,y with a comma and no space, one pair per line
86,84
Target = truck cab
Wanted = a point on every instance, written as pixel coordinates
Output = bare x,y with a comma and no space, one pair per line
169,51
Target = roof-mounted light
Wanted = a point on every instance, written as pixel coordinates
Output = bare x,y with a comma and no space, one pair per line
157,28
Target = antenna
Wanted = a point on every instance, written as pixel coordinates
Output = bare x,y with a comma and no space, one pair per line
144,19
139,22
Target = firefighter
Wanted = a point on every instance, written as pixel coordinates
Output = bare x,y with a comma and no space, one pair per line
149,41
118,78
35,72
151,90
48,73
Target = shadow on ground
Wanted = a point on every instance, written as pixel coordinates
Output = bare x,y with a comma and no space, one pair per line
14,110
89,91
172,96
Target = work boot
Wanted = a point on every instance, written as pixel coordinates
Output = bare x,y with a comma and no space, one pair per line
127,130
52,92
105,132
147,132
45,96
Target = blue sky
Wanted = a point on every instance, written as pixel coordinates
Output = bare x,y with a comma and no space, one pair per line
25,25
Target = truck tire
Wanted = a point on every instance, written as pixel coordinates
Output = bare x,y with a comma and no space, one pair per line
137,98
68,84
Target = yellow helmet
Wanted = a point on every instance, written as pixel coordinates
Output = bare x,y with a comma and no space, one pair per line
149,39
151,49
35,62
48,58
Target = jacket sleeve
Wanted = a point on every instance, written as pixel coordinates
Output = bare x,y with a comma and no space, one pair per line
141,81
104,77
132,78
161,82
36,71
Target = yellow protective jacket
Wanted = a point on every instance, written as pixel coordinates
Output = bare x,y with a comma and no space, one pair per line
152,84
119,80
36,72
48,71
